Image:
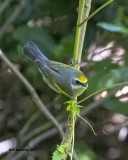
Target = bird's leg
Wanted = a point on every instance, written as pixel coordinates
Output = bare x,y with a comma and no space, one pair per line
74,63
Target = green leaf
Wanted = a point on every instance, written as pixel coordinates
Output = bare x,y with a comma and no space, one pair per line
65,47
61,148
70,105
40,36
58,155
102,79
68,108
68,102
77,109
113,28
116,106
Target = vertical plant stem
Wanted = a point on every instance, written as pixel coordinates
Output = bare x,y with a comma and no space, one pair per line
96,11
78,30
73,132
68,134
84,8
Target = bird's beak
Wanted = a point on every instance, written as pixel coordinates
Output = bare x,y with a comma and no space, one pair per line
85,85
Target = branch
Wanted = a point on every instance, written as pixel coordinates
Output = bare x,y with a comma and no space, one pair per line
12,18
52,132
27,125
84,8
35,132
68,136
4,5
33,143
33,94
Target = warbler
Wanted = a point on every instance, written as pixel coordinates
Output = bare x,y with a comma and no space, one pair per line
60,77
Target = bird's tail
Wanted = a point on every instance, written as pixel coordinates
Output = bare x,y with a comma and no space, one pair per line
33,53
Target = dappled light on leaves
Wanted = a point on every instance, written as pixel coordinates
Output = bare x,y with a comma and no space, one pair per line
6,145
101,95
118,56
122,94
113,153
45,21
99,53
124,99
123,134
114,124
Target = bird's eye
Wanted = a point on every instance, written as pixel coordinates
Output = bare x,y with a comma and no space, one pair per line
78,82
82,84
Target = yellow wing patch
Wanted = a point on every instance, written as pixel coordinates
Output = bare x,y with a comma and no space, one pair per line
60,89
65,65
83,79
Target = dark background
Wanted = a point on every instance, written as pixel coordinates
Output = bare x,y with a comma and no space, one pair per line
51,25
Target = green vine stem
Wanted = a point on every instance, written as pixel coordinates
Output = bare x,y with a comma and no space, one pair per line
67,145
96,11
84,8
68,137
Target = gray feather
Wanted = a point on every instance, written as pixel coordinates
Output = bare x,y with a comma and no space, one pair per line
33,53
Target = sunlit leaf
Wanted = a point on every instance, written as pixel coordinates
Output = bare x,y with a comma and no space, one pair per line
113,28
58,155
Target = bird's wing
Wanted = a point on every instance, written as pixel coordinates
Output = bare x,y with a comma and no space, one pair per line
48,75
46,70
57,66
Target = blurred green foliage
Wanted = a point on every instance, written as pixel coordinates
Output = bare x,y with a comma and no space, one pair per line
51,25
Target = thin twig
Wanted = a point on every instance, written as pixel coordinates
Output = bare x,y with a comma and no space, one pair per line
12,18
33,94
27,125
36,132
4,5
96,11
101,90
94,105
